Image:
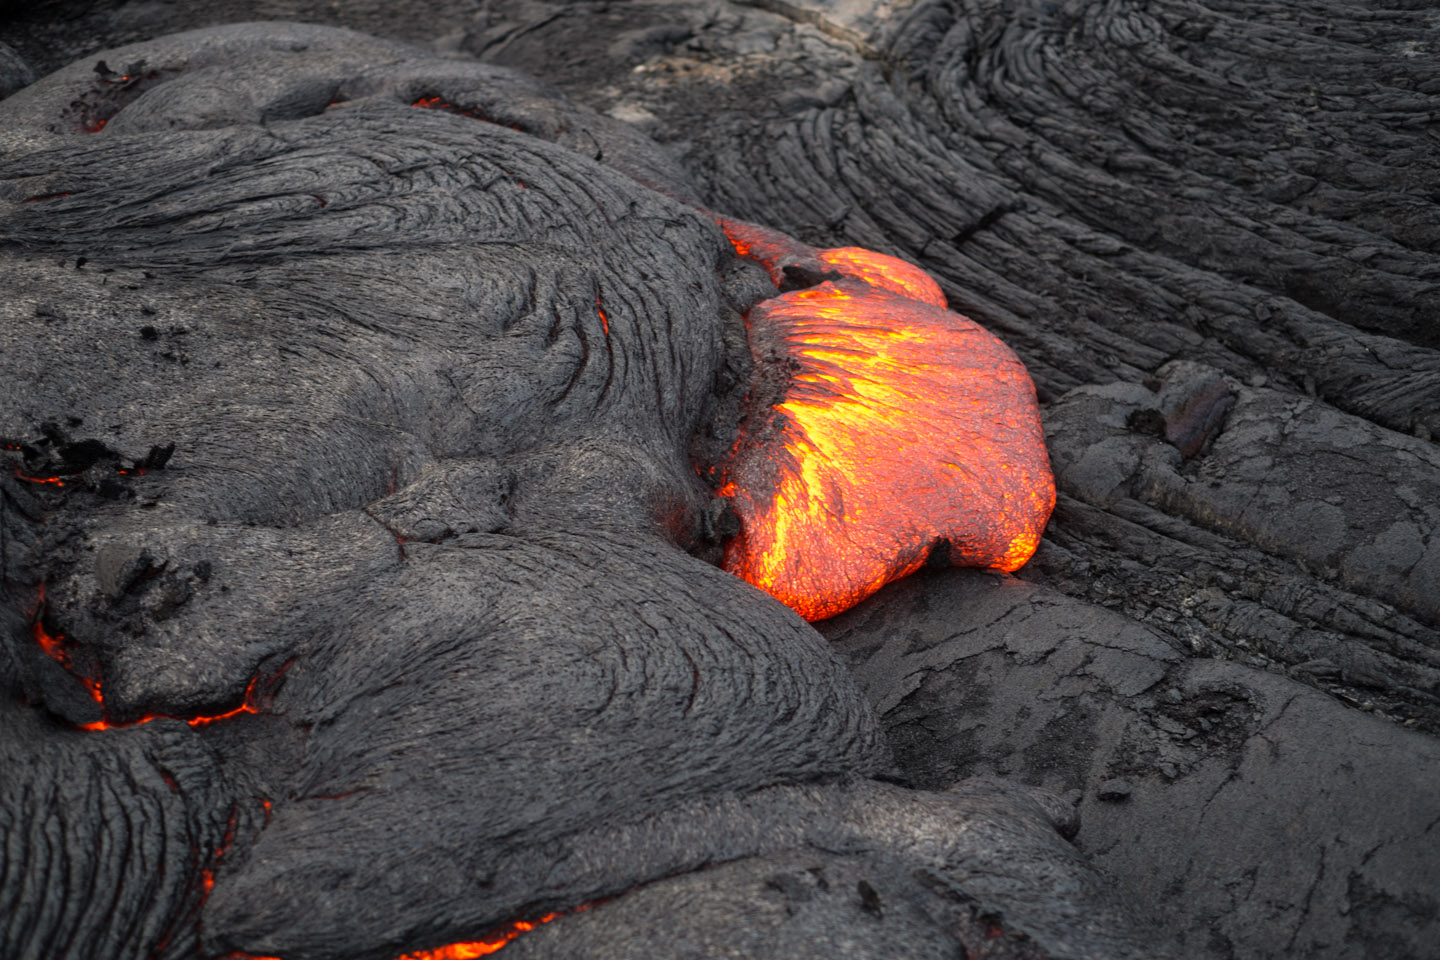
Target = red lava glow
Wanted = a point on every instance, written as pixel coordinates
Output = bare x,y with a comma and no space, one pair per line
769,248
246,706
207,875
885,273
56,648
906,434
53,481
604,320
61,480
479,948
440,103
466,950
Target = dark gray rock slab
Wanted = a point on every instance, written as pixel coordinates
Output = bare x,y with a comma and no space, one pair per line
1257,816
14,72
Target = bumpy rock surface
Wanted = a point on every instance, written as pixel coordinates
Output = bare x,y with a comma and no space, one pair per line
1240,802
1209,229
348,609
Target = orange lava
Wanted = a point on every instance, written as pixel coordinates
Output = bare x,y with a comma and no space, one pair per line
62,479
246,706
886,273
56,648
466,950
53,481
604,319
769,248
479,948
906,434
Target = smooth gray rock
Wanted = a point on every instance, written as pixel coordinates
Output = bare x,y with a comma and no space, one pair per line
1249,799
14,72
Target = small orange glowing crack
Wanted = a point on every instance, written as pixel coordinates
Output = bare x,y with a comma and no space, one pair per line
56,647
604,319
493,942
907,434
248,705
52,481
440,103
60,480
207,874
479,948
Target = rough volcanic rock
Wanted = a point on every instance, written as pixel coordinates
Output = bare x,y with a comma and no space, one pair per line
347,420
1209,228
1237,802
14,72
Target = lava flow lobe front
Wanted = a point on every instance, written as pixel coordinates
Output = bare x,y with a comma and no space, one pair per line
898,432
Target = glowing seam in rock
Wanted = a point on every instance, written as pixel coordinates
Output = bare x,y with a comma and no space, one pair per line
464,950
56,648
247,706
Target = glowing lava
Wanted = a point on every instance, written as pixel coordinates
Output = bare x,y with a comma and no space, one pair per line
466,950
479,948
57,649
906,433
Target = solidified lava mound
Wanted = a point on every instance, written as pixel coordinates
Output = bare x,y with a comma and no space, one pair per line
390,634
348,415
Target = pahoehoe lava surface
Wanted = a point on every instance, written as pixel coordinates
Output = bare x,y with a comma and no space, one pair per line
347,426
1209,229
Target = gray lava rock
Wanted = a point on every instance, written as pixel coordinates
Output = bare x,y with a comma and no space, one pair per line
14,72
350,424
1239,786
1209,228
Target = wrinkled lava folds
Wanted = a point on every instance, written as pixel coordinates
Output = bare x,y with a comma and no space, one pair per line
894,432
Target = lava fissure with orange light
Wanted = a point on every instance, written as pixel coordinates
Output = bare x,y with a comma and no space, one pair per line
494,942
57,649
900,426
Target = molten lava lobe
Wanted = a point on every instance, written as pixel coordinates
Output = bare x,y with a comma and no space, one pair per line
886,273
903,433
